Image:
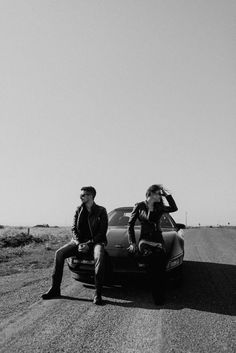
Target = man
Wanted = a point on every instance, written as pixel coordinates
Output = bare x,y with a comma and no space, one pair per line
89,234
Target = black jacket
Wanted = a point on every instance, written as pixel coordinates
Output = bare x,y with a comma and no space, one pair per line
98,224
150,221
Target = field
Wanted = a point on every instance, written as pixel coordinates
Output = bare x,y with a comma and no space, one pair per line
23,249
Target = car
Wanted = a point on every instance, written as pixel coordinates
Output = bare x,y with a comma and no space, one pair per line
117,257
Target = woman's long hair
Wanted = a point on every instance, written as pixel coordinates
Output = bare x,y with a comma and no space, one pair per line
154,188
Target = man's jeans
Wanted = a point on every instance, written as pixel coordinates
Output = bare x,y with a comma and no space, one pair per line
71,249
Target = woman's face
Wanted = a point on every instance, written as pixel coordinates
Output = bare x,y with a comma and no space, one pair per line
156,196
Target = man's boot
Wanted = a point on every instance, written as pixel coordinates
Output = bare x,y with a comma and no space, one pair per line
97,299
53,292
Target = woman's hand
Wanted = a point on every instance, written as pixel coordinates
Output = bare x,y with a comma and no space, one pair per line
132,248
164,192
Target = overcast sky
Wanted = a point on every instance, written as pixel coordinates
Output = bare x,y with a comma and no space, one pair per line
119,95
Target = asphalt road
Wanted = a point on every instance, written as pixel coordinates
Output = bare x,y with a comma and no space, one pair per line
198,317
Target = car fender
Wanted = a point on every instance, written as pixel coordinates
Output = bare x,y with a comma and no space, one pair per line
174,243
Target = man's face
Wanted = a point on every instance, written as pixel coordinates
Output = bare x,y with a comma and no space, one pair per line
85,197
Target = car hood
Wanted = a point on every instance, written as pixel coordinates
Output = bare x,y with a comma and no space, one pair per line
117,235
169,238
173,242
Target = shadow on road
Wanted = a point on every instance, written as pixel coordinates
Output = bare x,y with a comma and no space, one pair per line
74,298
207,287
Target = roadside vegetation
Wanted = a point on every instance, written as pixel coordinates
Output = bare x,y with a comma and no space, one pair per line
23,249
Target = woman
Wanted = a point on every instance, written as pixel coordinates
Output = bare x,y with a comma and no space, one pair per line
151,244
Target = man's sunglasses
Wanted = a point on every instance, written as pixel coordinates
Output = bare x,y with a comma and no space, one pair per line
82,195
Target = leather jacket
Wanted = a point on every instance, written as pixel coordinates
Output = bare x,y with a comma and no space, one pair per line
98,224
150,220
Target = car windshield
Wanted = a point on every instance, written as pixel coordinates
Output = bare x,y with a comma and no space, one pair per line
120,218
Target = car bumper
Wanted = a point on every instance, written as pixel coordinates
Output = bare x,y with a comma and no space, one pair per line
84,267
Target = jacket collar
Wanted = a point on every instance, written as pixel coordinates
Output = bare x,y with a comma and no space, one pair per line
93,208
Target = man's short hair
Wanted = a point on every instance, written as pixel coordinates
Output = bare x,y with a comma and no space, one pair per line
90,190
153,188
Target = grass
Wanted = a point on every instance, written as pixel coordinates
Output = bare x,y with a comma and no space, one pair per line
21,252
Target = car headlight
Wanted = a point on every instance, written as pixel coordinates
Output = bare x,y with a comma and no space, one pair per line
175,262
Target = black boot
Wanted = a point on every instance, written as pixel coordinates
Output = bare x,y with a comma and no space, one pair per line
159,296
159,300
97,299
53,292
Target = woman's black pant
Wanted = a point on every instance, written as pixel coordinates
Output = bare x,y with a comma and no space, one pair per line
157,273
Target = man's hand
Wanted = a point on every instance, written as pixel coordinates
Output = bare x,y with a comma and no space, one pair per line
83,247
132,248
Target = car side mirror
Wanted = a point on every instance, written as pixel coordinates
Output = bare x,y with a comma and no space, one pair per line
180,226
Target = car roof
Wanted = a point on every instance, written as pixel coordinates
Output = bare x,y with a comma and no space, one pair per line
130,208
126,208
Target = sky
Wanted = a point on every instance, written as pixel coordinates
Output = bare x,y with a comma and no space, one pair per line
119,95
